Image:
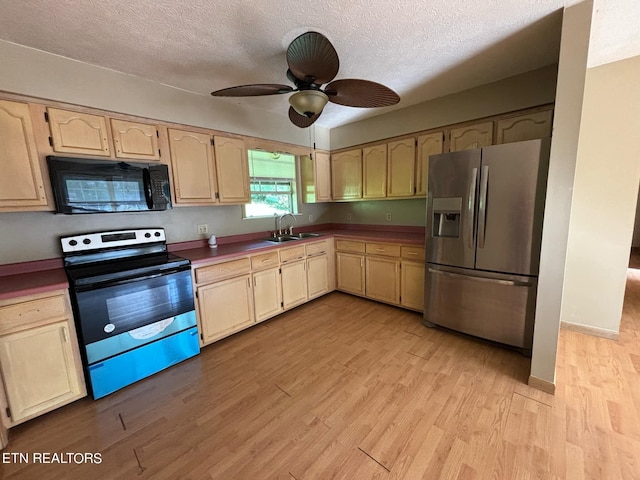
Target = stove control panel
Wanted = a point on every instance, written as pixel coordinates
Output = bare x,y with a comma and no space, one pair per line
116,238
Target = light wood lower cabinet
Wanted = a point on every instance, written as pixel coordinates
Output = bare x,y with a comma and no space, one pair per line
267,293
382,279
317,276
412,285
350,272
225,307
39,356
294,284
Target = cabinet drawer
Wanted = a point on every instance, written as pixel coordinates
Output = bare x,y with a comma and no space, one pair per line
384,249
412,253
266,260
317,248
222,270
354,246
18,316
291,254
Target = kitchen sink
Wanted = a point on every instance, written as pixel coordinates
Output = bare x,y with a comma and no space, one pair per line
288,238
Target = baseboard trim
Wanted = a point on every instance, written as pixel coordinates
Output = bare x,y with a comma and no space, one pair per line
543,385
593,331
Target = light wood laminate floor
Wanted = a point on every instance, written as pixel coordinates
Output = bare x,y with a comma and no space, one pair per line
345,388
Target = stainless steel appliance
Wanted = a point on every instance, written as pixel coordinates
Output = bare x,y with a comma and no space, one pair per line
133,305
83,185
483,233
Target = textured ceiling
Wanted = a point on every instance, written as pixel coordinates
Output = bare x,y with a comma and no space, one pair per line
420,48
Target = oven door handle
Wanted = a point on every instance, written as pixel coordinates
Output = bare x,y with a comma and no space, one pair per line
84,287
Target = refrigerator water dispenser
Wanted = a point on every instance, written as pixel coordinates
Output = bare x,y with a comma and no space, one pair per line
446,217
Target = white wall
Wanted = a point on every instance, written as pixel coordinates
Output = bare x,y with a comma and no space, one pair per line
604,197
574,47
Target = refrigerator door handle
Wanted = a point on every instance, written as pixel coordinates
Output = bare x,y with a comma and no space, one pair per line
510,283
471,206
482,206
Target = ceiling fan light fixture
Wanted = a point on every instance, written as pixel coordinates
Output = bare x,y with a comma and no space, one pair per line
308,102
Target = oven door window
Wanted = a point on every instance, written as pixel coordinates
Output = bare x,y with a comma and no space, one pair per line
111,310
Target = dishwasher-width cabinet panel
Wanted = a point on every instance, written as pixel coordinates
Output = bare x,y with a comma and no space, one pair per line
39,370
317,275
75,132
350,273
225,307
294,284
135,140
267,293
21,182
383,279
193,168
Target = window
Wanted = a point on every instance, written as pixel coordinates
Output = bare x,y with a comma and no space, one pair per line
272,178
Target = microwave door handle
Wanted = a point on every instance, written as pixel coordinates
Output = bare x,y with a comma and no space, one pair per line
148,193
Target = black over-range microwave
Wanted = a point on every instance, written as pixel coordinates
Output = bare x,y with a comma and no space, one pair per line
82,185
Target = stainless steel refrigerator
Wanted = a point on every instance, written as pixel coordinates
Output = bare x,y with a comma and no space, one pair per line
483,231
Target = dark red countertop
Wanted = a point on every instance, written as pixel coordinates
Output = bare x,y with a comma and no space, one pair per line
28,278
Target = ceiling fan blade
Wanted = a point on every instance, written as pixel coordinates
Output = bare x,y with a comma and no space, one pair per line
360,93
312,58
301,120
253,90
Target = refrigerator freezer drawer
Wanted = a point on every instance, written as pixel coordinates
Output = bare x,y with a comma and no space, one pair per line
492,306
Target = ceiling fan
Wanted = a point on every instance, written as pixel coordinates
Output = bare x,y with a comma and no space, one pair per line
314,62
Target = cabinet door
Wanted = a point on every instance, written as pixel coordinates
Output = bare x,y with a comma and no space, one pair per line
232,170
322,172
524,127
317,275
374,171
267,293
21,182
471,136
135,140
401,168
294,284
383,279
194,178
225,307
74,132
412,285
39,369
429,144
350,273
346,175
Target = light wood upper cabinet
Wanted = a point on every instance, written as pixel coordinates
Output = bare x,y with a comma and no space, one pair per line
75,132
428,144
232,170
315,174
346,175
39,356
193,167
135,140
401,167
374,171
21,181
524,127
471,136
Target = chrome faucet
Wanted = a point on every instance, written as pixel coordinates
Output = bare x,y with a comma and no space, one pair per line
280,223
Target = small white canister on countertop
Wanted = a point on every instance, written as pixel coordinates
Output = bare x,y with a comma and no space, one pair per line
213,243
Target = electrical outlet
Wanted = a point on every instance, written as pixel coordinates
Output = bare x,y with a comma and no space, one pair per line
348,217
310,218
203,229
388,217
